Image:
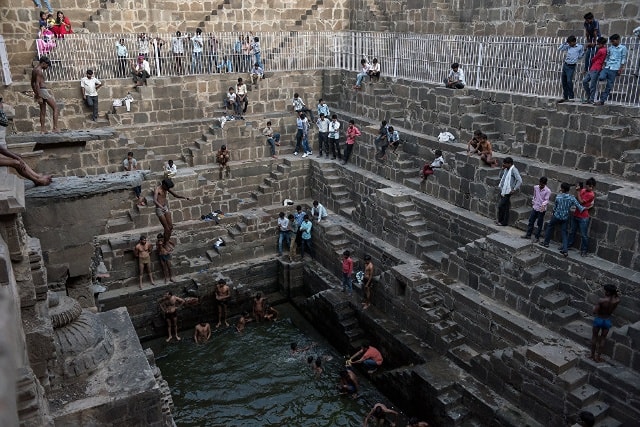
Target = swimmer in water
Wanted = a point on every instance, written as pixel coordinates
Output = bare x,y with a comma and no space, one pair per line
296,350
379,413
244,319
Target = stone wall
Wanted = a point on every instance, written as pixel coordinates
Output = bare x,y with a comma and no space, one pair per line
544,18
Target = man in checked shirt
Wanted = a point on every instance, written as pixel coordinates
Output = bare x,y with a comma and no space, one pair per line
563,204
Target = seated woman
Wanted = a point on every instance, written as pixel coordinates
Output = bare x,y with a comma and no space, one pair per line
45,42
62,25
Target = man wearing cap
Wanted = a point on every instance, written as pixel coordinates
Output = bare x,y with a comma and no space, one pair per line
141,71
42,95
90,86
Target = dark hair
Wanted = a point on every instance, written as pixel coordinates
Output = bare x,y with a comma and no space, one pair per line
335,116
143,237
602,40
318,362
198,31
239,79
477,132
507,160
455,65
367,257
269,123
309,360
571,39
352,122
614,37
45,60
363,61
231,88
438,153
160,236
303,116
295,95
587,418
306,217
290,216
375,60
281,214
130,153
543,180
298,208
256,39
224,147
221,282
588,15
293,345
167,183
591,181
611,289
178,33
89,71
320,100
565,187
391,129
384,123
256,65
346,253
315,203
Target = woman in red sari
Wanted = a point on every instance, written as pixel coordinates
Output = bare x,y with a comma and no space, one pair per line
62,25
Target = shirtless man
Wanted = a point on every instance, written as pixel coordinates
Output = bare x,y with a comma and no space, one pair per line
223,293
42,95
485,151
202,332
348,383
165,258
242,322
169,305
142,251
379,413
162,207
602,321
271,314
7,158
368,277
258,307
472,146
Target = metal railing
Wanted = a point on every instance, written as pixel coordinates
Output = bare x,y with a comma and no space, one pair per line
504,64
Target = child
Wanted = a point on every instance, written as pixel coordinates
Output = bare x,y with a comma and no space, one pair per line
575,52
486,151
437,163
541,194
318,368
164,253
244,319
271,314
472,146
560,216
394,139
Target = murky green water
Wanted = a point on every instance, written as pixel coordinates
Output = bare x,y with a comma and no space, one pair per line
253,380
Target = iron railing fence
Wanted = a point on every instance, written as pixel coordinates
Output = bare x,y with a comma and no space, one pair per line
516,65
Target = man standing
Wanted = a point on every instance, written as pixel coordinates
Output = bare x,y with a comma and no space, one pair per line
42,95
613,66
169,306
196,52
602,321
591,34
510,182
293,233
575,51
122,53
323,133
539,203
368,278
241,94
273,138
223,293
161,201
352,133
302,135
305,227
142,251
90,86
563,204
283,232
130,164
455,79
334,137
177,47
586,196
590,81
202,332
347,272
222,158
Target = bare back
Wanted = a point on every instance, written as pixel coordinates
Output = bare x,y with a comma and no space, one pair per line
606,306
37,80
160,197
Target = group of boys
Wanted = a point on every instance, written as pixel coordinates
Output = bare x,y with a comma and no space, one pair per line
602,63
297,226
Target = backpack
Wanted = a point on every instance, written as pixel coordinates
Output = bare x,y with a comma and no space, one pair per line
4,120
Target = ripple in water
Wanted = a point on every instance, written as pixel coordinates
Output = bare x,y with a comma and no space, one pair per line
253,380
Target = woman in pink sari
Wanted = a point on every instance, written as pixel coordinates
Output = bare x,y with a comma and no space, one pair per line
62,25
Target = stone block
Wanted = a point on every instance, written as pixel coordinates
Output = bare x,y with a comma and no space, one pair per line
555,358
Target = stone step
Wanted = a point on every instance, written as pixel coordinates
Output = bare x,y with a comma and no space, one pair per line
583,395
117,225
598,408
449,399
434,257
347,212
572,378
608,422
554,300
462,355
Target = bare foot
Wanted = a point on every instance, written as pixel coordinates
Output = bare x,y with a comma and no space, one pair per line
226,323
43,181
171,280
153,283
168,339
178,338
218,325
55,130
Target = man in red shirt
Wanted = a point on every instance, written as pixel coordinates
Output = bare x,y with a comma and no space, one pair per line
347,272
590,81
586,197
370,357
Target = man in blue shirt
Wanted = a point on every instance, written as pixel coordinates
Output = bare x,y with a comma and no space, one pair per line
575,51
305,228
613,66
591,35
563,204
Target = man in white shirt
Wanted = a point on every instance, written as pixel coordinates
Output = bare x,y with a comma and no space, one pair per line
334,136
455,80
121,51
230,101
323,134
170,169
241,95
177,47
257,73
318,211
196,52
141,71
143,45
90,86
